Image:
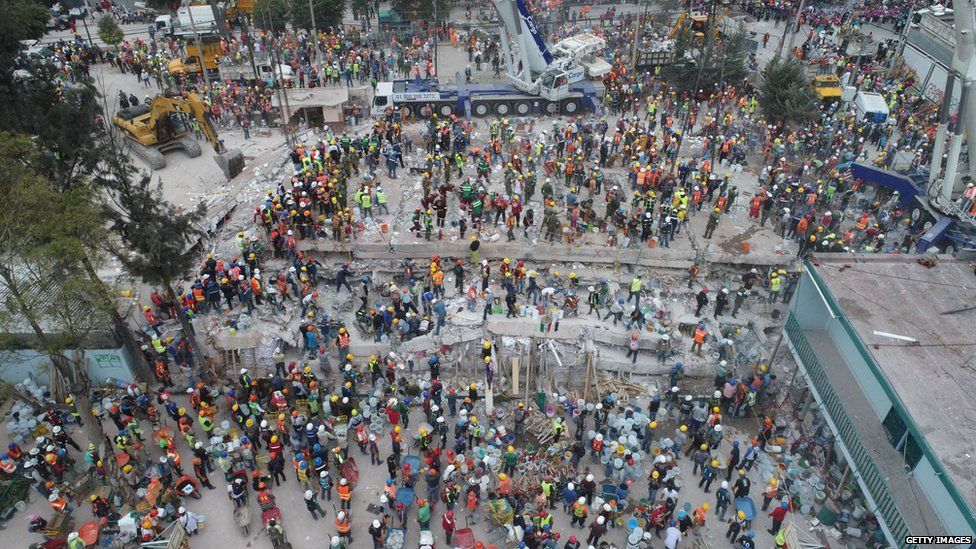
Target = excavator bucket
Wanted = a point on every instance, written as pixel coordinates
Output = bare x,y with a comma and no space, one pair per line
231,162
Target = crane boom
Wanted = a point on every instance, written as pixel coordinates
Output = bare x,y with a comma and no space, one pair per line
531,56
964,67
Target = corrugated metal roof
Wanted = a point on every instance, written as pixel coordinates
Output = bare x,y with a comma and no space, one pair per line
39,295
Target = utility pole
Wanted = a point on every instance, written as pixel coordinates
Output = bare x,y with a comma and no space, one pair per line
280,90
791,29
637,32
196,38
315,36
706,57
437,23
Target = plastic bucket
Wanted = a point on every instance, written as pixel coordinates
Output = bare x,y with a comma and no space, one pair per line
745,247
632,523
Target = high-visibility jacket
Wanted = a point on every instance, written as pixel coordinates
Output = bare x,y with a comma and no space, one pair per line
699,335
343,526
344,493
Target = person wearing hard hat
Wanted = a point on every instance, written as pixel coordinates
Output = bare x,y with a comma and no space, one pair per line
74,541
597,528
377,531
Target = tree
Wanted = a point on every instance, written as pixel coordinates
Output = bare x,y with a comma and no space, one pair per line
156,241
19,20
785,93
271,14
328,13
702,63
109,30
40,263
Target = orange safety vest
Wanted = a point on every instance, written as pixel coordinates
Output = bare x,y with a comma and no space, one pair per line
699,335
59,504
343,526
344,493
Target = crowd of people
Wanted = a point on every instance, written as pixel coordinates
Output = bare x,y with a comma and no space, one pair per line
633,176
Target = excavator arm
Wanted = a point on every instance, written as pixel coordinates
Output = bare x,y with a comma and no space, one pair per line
196,108
677,25
192,106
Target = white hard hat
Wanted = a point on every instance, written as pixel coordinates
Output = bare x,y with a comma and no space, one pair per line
341,515
376,524
600,519
308,494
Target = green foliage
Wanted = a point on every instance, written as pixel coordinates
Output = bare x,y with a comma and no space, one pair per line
62,117
40,258
701,64
156,239
271,14
19,20
785,93
328,13
109,30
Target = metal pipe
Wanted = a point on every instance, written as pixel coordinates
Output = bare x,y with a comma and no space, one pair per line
940,134
955,145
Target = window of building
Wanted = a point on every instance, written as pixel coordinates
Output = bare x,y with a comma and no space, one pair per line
912,452
895,428
901,439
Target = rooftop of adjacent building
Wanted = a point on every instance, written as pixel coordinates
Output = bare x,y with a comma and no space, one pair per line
934,376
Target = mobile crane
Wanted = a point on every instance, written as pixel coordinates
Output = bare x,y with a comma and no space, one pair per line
539,80
163,125
933,197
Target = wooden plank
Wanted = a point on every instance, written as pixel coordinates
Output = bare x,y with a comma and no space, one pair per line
516,367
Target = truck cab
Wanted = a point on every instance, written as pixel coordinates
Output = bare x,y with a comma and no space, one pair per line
204,55
382,99
827,88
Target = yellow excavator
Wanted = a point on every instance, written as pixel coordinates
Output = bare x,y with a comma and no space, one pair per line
165,125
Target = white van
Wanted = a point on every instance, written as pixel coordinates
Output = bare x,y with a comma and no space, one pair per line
871,106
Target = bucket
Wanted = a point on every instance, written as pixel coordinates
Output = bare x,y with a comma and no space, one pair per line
745,247
827,514
384,228
632,523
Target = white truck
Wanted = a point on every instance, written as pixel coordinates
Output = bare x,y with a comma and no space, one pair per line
540,80
871,106
189,19
266,71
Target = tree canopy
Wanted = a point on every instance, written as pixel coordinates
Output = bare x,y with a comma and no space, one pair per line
109,30
328,13
785,92
701,63
271,14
